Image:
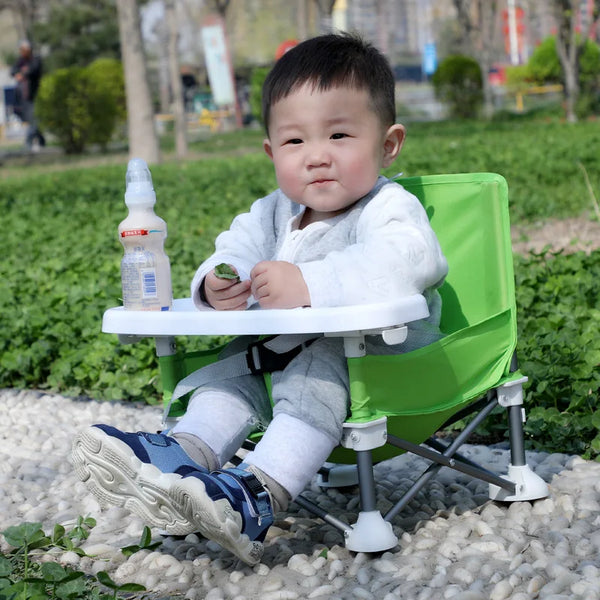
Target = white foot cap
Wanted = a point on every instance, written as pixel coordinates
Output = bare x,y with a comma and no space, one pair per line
529,486
371,533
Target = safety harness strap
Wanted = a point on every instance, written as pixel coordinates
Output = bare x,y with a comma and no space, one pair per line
263,356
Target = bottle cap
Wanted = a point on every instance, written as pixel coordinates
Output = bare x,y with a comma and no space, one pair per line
139,189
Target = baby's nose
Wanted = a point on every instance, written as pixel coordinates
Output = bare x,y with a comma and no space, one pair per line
318,155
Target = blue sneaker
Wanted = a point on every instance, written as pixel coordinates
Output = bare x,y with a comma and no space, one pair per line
135,471
230,507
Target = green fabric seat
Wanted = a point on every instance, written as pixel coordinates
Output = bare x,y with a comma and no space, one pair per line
471,370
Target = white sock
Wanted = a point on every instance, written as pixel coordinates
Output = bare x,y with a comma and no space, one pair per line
220,420
291,452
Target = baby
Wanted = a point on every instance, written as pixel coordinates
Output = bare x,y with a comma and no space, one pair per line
335,233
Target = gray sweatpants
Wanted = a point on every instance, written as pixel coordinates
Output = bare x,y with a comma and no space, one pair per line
314,386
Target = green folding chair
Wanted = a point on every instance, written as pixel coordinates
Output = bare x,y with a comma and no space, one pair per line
399,402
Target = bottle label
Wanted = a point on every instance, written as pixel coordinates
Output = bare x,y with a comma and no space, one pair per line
133,232
148,283
130,232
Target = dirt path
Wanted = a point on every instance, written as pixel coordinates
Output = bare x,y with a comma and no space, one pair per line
572,234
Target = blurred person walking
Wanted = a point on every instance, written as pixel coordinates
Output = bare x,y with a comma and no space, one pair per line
27,72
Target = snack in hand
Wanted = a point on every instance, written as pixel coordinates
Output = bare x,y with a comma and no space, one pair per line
224,271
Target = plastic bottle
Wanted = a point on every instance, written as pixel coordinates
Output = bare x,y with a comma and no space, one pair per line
145,268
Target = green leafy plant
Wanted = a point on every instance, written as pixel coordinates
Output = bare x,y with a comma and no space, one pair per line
559,307
146,543
61,259
22,578
104,579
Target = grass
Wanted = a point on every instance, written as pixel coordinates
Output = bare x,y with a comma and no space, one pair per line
550,165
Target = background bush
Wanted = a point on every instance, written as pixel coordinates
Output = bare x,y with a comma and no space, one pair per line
82,105
256,83
457,83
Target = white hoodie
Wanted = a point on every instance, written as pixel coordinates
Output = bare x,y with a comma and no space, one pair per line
381,248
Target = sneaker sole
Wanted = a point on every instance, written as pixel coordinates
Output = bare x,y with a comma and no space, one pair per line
116,476
215,520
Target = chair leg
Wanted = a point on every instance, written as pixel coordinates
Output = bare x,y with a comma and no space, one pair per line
528,485
371,532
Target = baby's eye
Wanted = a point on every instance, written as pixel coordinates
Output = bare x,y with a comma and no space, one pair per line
338,136
294,141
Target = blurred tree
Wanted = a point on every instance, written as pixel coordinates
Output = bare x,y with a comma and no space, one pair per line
221,7
573,29
478,20
181,146
544,67
76,32
26,13
143,140
325,13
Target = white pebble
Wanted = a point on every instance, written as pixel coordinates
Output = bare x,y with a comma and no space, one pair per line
272,584
487,547
323,590
482,528
362,594
336,568
426,543
300,564
98,550
449,549
385,566
70,558
280,595
363,576
214,594
536,584
501,591
461,575
174,570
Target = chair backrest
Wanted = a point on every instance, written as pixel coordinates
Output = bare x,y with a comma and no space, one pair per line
469,213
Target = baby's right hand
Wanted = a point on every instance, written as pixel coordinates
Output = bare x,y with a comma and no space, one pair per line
226,294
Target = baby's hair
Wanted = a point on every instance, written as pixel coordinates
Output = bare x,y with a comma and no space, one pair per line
330,61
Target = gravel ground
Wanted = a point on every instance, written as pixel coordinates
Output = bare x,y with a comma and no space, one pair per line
454,542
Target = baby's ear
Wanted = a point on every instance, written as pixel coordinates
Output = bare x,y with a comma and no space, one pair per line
392,143
268,148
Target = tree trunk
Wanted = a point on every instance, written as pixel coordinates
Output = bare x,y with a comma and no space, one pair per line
181,146
143,141
570,67
478,21
325,13
569,45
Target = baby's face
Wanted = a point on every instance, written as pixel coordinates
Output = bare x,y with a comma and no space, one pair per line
327,147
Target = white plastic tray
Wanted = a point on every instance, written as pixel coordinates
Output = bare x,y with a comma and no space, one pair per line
186,319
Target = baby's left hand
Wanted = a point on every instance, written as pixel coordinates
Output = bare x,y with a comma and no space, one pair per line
279,284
